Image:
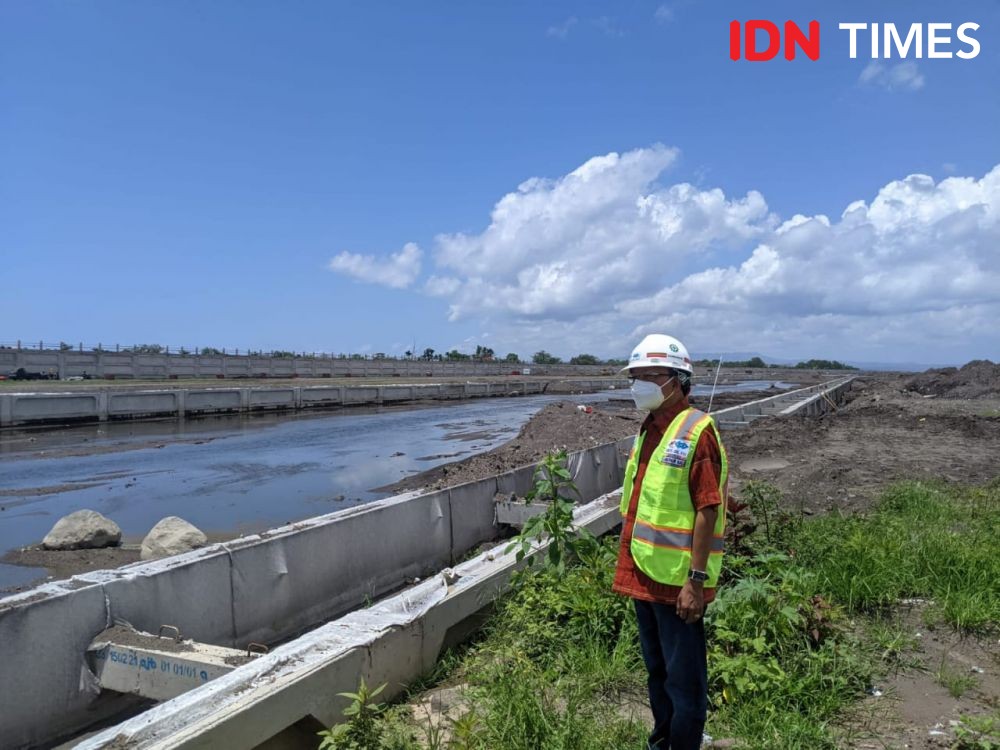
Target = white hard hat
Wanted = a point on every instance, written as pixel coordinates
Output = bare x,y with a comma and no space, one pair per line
659,350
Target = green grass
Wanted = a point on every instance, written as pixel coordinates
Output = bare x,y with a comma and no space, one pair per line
920,541
797,634
955,680
979,732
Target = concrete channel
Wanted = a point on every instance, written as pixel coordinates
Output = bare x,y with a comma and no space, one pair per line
276,586
21,409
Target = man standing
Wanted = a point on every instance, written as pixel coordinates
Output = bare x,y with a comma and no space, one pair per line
671,543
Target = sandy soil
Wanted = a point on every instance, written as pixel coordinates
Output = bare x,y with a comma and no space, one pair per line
912,708
65,563
60,564
556,426
883,434
559,426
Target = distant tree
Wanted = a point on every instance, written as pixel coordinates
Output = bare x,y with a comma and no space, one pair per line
483,353
147,349
512,358
408,354
585,359
183,352
616,362
752,362
282,354
456,356
823,364
544,358
209,351
428,354
357,356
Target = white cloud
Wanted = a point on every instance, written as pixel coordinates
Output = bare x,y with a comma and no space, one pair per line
664,14
442,286
561,30
592,260
920,265
603,231
398,271
904,76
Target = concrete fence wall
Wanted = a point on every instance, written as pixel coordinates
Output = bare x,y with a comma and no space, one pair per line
41,408
63,364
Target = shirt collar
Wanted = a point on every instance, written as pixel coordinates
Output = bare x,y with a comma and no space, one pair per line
663,416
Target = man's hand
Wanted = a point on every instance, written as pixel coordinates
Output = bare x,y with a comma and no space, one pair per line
691,602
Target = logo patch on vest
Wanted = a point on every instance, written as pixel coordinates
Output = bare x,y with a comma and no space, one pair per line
676,453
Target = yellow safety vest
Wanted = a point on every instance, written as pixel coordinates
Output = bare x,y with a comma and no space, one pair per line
664,519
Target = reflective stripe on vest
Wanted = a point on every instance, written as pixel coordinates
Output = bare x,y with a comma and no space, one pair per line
670,538
664,525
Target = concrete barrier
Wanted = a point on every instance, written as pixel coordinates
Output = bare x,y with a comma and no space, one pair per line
60,408
810,401
391,643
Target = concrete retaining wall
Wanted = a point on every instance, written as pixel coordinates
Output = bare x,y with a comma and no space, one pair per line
391,643
55,408
810,401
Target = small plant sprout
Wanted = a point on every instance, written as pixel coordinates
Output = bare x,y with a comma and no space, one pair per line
552,483
363,730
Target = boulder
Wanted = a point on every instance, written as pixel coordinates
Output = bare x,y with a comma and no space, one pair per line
84,529
171,536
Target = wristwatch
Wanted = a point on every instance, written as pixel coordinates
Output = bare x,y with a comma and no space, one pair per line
698,576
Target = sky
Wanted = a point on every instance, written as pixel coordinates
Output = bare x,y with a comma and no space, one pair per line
382,177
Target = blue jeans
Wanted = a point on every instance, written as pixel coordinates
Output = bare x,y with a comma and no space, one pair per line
674,653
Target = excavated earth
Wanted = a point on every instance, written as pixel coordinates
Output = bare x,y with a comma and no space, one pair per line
559,426
886,431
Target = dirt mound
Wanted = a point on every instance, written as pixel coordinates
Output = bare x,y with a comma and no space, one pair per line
844,459
559,426
977,379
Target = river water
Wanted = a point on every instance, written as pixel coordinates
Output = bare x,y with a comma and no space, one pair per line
239,474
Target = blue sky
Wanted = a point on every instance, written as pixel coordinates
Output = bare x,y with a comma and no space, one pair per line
250,174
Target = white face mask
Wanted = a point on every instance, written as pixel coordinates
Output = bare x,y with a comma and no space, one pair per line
648,396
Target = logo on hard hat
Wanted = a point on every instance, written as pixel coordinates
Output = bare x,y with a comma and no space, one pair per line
673,348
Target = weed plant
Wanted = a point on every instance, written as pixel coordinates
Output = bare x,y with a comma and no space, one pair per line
558,664
978,732
920,541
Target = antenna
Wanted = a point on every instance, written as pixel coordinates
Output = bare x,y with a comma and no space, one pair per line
710,398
